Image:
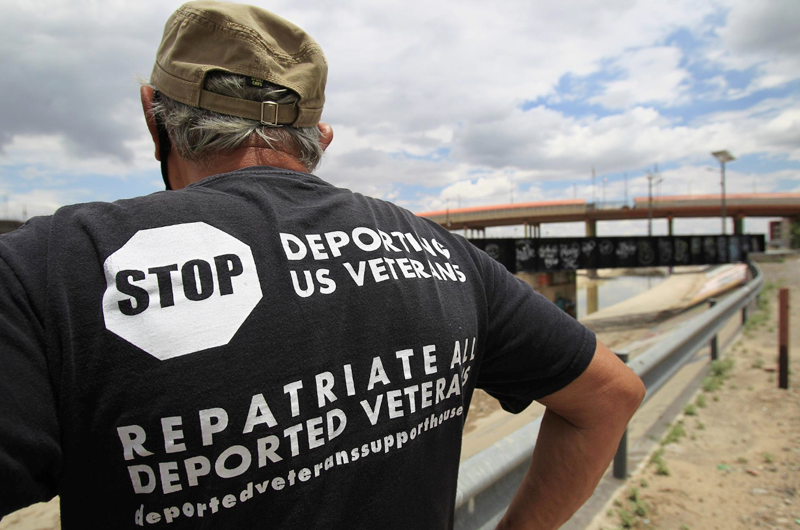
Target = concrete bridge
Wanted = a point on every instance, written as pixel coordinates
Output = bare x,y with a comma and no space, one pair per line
533,214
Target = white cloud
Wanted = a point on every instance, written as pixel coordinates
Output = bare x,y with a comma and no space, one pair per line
69,70
408,83
60,160
23,206
764,35
649,75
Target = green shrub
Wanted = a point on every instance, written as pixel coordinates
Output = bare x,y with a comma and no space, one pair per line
722,367
626,518
675,433
657,459
711,384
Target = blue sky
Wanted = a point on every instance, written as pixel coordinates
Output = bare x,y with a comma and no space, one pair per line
438,104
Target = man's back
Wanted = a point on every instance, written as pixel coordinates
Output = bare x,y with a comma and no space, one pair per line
261,348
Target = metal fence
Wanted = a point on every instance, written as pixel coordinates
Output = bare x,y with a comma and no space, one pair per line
488,480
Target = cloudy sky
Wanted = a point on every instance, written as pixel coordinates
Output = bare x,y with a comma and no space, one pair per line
437,103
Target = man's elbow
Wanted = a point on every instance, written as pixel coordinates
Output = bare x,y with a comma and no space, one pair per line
631,392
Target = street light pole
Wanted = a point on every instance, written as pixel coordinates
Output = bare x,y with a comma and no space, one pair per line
723,157
650,201
626,188
650,177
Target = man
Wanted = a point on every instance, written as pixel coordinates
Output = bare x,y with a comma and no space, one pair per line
258,348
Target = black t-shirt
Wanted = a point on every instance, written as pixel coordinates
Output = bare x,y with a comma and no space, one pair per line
260,349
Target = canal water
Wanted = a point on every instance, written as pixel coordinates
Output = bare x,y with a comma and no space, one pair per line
612,290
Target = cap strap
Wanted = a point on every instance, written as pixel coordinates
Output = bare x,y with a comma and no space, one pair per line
268,112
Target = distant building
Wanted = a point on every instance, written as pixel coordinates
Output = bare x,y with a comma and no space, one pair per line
780,233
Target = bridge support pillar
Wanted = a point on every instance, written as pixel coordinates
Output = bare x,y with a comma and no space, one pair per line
592,298
532,230
560,287
475,232
591,228
738,225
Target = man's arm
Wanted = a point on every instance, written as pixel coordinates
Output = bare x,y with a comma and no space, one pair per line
30,450
579,435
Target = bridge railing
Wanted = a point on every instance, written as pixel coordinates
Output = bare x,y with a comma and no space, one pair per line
608,205
488,480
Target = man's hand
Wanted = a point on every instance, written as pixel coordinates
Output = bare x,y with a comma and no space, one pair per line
579,435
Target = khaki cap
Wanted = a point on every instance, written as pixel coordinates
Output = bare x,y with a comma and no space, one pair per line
205,36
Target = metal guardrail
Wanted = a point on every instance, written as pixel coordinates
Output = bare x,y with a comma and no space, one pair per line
488,480
659,363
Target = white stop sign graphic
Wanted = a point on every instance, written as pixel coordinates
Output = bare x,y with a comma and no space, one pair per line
180,289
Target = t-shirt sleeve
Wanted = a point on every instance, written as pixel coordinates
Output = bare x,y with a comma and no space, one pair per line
30,453
533,348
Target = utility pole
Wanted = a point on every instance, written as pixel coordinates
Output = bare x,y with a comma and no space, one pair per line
723,157
650,177
626,188
658,181
594,189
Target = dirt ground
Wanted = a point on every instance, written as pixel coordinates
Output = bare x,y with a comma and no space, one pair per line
734,462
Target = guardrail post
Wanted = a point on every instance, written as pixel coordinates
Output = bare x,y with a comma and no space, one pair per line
783,336
621,457
714,343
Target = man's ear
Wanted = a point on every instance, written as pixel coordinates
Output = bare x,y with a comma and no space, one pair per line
327,135
147,94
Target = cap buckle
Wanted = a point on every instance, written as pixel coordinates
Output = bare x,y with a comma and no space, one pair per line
273,122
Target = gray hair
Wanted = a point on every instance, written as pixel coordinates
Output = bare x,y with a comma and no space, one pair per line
198,133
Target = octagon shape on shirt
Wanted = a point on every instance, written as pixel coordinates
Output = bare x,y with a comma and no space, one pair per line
180,289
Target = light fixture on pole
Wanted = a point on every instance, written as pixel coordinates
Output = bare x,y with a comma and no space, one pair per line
723,157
